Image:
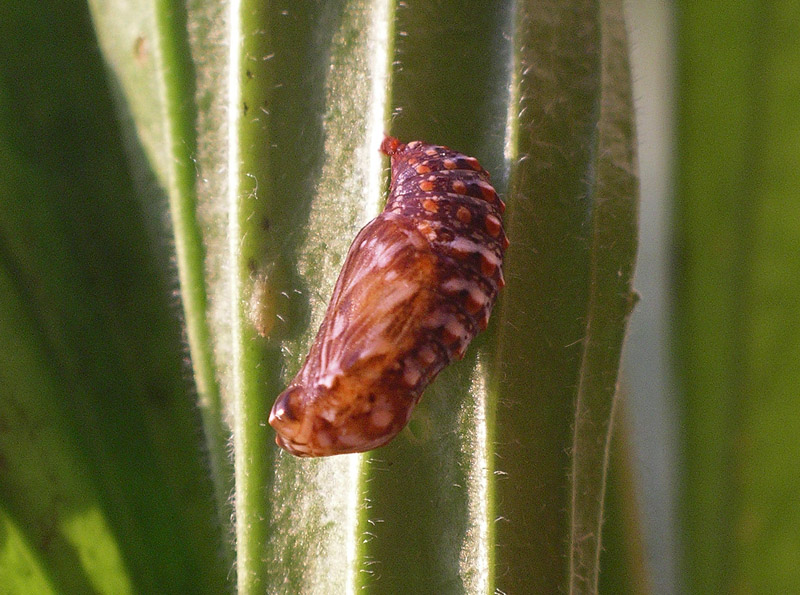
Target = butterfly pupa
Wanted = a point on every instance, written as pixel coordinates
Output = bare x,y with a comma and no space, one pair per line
419,282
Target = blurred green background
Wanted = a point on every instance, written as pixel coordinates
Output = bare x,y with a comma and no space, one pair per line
711,363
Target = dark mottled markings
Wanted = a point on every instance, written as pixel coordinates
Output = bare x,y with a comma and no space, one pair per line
419,282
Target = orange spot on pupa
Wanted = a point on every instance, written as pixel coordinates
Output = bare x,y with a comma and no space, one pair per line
473,305
463,214
391,145
459,187
422,169
487,266
449,164
492,225
426,185
431,152
505,242
487,192
473,163
425,229
430,206
448,336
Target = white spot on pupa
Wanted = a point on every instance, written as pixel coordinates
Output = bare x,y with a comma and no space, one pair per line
386,253
350,439
436,320
301,448
328,414
427,355
339,326
426,229
455,328
381,417
477,295
455,284
324,439
332,372
411,373
462,244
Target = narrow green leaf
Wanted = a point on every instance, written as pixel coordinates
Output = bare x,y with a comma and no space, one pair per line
624,566
572,225
308,99
557,94
152,53
611,299
102,465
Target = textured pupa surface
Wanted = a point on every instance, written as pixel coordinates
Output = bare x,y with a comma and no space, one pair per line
419,282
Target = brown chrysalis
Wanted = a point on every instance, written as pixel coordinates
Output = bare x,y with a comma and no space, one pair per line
418,284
